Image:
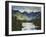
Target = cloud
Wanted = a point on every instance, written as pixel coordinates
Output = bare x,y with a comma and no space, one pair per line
21,11
28,9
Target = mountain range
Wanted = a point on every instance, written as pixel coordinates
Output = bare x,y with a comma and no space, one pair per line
26,13
31,15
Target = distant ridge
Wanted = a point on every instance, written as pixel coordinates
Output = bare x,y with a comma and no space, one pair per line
26,13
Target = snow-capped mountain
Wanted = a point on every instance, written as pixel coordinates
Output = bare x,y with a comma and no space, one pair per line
26,15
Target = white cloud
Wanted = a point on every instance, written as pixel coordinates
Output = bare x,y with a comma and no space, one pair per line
21,11
36,10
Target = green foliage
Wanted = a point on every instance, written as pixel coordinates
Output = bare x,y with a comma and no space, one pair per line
37,22
16,24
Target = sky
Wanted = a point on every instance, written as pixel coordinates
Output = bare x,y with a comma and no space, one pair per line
26,8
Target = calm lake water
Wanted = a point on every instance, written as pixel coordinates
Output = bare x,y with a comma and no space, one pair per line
28,26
